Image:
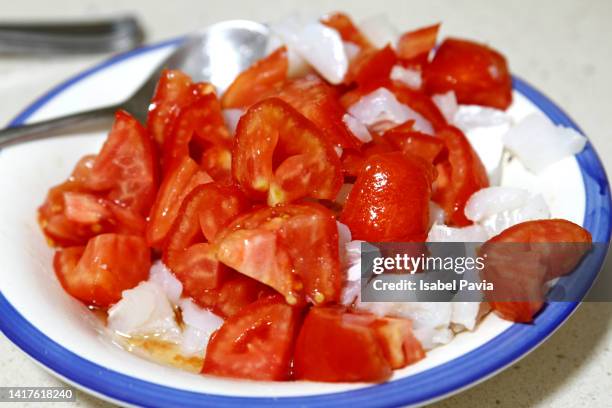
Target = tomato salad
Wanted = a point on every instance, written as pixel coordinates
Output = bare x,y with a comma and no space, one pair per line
240,214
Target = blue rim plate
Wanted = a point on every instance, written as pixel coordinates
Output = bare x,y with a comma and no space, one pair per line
428,385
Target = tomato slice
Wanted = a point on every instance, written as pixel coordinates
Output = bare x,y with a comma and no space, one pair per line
272,132
458,178
429,148
371,68
217,161
414,46
177,184
476,73
390,199
262,79
256,343
346,28
397,341
420,102
110,264
354,160
125,171
204,211
291,248
319,103
334,347
199,126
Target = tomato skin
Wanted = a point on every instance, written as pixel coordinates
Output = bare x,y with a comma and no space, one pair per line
371,68
125,171
476,73
390,199
217,161
262,79
178,182
319,103
109,264
291,248
198,269
256,343
420,102
270,132
346,28
458,178
431,149
414,46
331,347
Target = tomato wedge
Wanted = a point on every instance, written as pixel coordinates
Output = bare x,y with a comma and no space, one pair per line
346,28
177,184
262,79
280,154
414,46
476,73
125,171
291,248
109,264
336,346
390,199
256,343
458,178
431,149
319,103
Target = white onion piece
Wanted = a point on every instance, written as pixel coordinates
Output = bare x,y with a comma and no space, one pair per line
352,50
447,104
351,292
231,118
144,311
380,110
162,276
535,208
379,31
200,324
488,145
443,233
344,237
538,143
410,77
471,116
286,33
465,314
358,129
436,214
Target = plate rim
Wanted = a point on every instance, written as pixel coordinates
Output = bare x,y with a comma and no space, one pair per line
432,384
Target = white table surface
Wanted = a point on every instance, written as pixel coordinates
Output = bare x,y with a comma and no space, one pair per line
561,46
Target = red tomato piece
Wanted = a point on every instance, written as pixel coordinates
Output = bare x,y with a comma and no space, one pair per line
198,269
110,264
390,199
237,292
429,148
291,248
476,73
177,184
334,346
353,160
346,28
84,208
256,343
272,132
217,161
420,102
262,79
459,178
397,341
319,103
125,170
413,47
371,68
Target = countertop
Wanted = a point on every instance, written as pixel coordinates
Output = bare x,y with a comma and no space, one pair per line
561,46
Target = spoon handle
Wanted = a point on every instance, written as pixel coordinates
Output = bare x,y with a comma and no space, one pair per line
56,126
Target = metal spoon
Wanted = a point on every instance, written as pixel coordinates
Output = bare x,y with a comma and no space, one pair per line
216,54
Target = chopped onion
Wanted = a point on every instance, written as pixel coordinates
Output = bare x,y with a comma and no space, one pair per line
231,118
443,233
465,314
379,31
447,103
436,214
162,276
358,129
144,311
200,324
471,116
344,237
409,77
538,143
380,110
487,142
352,50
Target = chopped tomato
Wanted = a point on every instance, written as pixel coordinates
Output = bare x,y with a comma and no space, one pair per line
178,182
421,103
476,73
353,160
174,91
291,248
84,208
204,211
238,291
330,348
397,341
429,148
280,154
371,68
262,79
125,171
390,199
198,269
458,178
414,46
346,28
110,264
217,161
319,103
199,126
256,343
